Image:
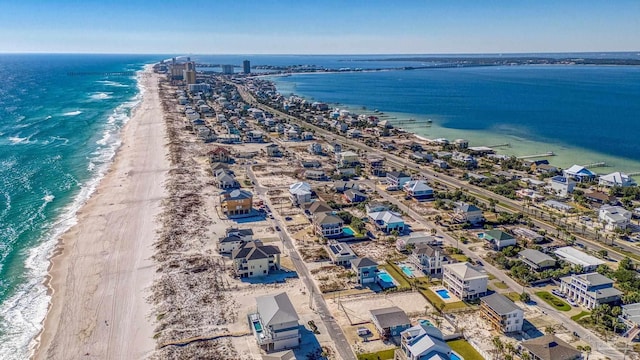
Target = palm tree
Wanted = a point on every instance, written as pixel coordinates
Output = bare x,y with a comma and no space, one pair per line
525,355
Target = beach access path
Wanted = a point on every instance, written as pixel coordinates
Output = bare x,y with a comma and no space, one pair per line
104,268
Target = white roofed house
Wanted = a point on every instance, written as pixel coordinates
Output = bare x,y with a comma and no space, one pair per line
340,253
614,217
422,342
464,212
300,193
347,158
562,185
418,189
275,324
579,173
464,281
387,220
577,257
414,239
616,179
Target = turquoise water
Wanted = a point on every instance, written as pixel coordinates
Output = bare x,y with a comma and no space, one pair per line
480,235
407,270
347,231
443,293
385,280
58,134
584,114
425,322
257,326
454,356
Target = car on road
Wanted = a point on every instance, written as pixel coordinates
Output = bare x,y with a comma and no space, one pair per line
288,218
277,228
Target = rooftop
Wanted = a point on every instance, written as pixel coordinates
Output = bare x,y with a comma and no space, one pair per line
276,309
550,347
363,262
535,256
390,317
577,257
465,271
500,303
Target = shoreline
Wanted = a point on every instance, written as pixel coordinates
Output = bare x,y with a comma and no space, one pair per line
101,268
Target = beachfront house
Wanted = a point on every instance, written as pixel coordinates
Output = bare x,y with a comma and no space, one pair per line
255,259
499,239
427,258
327,225
562,186
579,173
614,217
550,347
219,154
397,179
236,202
414,239
234,239
387,221
390,321
464,281
422,342
577,257
589,290
470,213
616,179
418,189
340,253
365,269
536,260
275,324
502,313
225,179
300,193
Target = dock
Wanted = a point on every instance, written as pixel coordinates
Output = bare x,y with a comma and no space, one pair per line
500,145
548,153
595,165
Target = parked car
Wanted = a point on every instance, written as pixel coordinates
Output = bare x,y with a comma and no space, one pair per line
277,228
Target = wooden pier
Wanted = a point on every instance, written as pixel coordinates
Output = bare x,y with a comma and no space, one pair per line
549,153
595,165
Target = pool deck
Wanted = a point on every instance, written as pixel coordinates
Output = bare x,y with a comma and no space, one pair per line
452,298
412,267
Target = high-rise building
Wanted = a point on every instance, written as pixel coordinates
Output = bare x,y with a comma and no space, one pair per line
227,69
246,66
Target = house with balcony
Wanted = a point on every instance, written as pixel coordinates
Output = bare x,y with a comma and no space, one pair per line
502,313
589,290
375,165
300,193
464,212
225,179
427,258
499,239
614,217
347,159
579,173
228,244
327,225
317,175
562,186
423,342
616,179
236,202
536,260
387,220
275,324
255,259
365,269
550,347
418,189
273,150
390,321
317,207
414,239
340,253
397,179
354,196
464,281
220,154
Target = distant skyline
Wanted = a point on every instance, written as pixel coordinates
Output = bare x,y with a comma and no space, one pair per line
319,27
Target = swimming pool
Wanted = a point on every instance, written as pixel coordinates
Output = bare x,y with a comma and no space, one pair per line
480,235
347,231
406,270
454,356
385,280
257,326
425,322
443,293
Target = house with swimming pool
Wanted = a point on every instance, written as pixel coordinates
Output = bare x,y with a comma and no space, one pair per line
366,270
464,281
328,225
387,220
423,341
427,258
275,324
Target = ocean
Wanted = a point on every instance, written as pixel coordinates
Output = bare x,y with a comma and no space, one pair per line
58,135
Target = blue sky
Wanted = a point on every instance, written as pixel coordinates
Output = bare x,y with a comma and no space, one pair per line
319,27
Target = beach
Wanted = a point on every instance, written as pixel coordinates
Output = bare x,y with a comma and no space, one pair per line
102,268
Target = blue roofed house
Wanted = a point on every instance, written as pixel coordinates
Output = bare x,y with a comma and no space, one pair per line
423,342
366,270
387,220
418,189
579,173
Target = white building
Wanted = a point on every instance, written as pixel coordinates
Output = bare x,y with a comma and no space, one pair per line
422,342
616,179
275,324
300,193
614,217
464,281
562,186
427,258
577,257
502,313
590,290
464,212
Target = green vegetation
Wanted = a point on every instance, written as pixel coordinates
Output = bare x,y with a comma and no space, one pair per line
437,302
382,355
460,257
356,224
464,349
501,285
553,301
396,273
579,316
514,296
626,280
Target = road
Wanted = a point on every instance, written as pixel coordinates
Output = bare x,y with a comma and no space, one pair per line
320,306
566,321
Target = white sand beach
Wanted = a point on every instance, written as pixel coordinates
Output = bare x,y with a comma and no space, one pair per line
103,269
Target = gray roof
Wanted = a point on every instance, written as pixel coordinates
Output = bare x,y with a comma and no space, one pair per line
237,194
535,256
253,250
466,207
328,218
500,303
390,317
276,309
363,262
595,279
424,249
607,293
319,206
241,232
550,347
232,238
